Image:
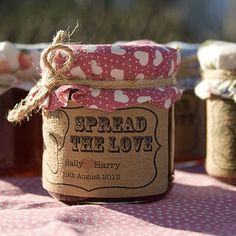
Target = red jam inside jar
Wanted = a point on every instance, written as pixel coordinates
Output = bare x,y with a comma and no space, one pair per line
21,146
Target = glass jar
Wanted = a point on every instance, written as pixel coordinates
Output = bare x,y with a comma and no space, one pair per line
21,145
107,124
190,128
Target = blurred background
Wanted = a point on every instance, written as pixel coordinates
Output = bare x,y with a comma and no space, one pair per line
104,21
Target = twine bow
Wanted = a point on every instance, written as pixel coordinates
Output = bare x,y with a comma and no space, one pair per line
53,78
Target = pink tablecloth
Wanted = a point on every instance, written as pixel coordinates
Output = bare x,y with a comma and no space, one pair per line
198,204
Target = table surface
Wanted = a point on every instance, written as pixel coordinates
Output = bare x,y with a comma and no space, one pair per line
197,205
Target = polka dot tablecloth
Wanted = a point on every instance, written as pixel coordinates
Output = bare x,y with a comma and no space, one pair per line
197,205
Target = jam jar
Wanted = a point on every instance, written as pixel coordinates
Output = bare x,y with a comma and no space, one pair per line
108,120
21,146
190,111
218,89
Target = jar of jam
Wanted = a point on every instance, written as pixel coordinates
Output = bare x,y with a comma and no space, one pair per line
218,88
107,124
190,130
21,145
190,111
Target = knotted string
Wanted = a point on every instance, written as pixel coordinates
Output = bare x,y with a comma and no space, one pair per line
44,86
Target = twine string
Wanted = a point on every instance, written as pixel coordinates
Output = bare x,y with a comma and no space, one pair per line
218,74
44,86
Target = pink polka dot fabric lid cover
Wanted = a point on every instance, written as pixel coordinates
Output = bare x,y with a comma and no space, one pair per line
142,60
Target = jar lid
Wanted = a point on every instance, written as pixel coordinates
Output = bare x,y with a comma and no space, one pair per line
142,60
218,55
218,63
188,73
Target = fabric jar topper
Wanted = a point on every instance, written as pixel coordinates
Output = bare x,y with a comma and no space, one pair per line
188,73
217,60
18,66
106,77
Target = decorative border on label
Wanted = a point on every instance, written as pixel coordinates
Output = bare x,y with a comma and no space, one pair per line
121,187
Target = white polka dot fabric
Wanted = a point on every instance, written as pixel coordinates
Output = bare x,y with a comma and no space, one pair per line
135,60
112,99
197,205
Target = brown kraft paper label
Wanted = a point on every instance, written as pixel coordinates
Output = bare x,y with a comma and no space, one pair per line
221,137
93,153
